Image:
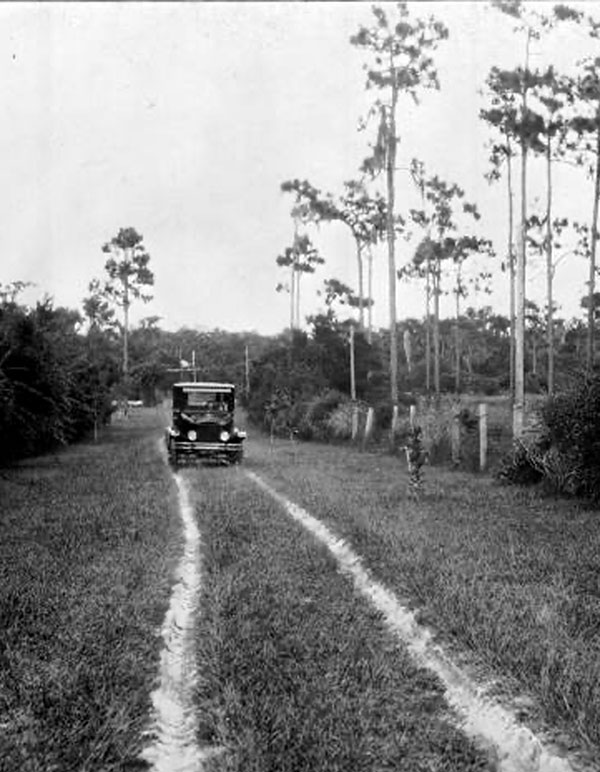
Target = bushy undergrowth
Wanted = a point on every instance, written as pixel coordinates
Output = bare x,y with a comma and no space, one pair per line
87,540
518,466
565,454
315,423
54,383
572,421
321,417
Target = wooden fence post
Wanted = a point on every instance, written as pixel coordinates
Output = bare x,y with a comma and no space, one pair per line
369,424
482,436
394,421
455,437
354,422
413,416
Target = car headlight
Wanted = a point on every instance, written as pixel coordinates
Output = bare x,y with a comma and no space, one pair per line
192,436
224,436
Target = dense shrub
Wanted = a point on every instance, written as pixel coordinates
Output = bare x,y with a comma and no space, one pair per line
572,422
315,422
339,422
384,411
52,389
565,454
519,467
382,417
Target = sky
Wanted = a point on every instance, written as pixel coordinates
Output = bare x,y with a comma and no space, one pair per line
183,119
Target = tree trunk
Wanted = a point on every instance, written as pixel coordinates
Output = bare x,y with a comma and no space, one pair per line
469,360
519,398
298,300
427,296
292,294
391,237
370,291
511,268
428,326
352,366
126,329
457,338
591,331
126,304
361,288
549,271
295,276
436,325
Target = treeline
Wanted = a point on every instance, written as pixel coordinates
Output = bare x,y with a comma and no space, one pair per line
310,371
61,375
55,384
537,117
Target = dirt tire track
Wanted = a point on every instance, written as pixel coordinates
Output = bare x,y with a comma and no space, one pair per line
513,746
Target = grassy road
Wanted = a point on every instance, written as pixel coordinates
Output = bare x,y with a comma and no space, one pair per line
296,671
88,541
505,575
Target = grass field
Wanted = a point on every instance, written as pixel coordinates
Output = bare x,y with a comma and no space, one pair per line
504,573
85,569
297,672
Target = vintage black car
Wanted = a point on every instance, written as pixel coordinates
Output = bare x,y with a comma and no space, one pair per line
203,423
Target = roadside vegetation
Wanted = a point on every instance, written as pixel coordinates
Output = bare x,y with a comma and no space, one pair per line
564,456
507,574
54,383
296,672
88,540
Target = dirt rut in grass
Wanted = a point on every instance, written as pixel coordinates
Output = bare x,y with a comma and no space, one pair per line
513,746
173,729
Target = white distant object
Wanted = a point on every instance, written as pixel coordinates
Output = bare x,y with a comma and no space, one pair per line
135,403
184,363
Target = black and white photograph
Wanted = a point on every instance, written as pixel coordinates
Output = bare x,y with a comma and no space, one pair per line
300,386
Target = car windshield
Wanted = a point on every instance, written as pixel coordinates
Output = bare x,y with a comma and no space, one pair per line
199,401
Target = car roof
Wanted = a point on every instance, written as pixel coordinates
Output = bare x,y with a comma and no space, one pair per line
204,385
